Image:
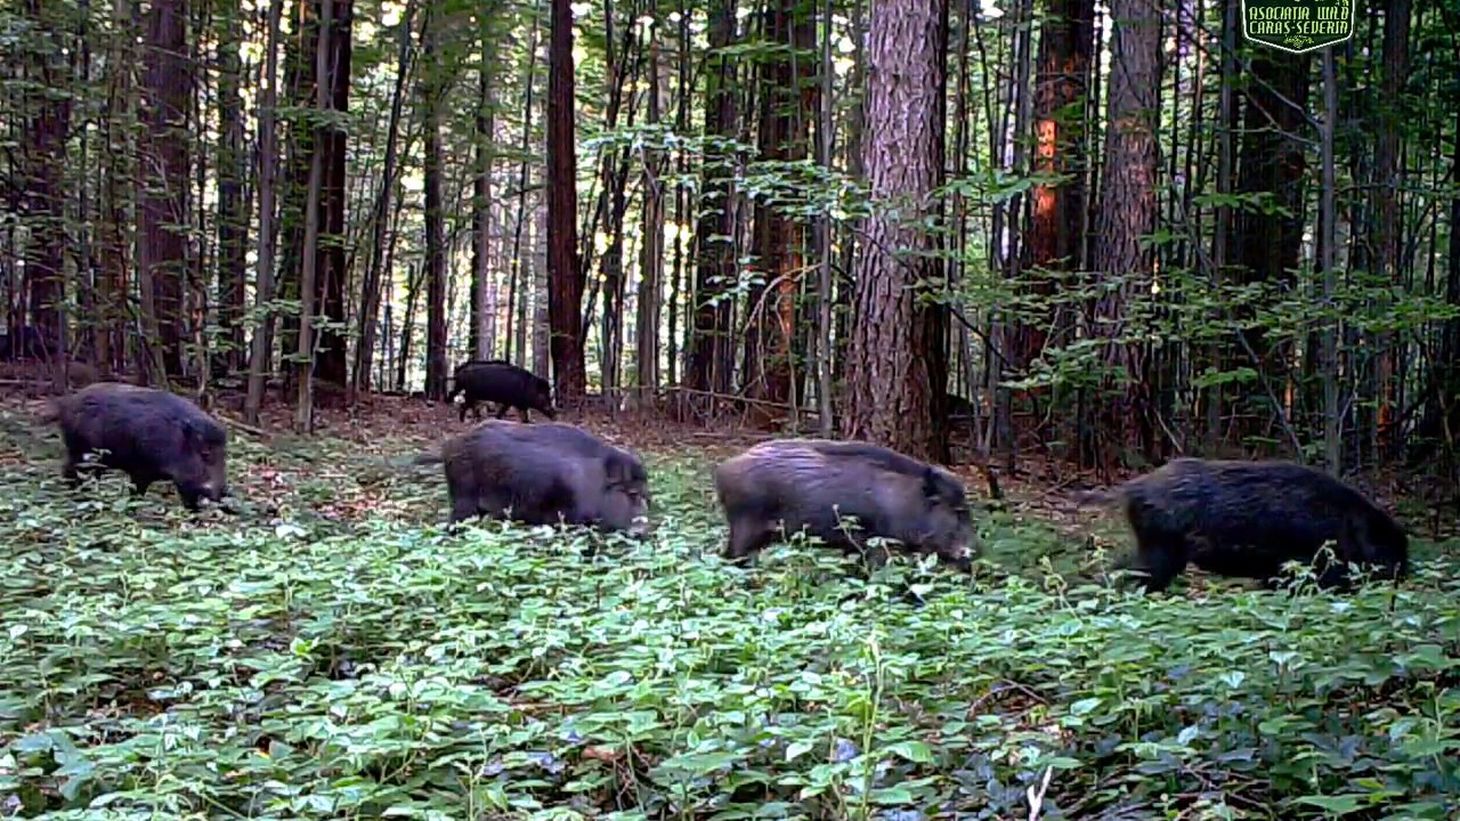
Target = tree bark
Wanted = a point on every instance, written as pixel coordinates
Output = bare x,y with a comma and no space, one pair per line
262,347
651,249
1127,213
710,366
1272,159
565,293
542,327
1387,178
233,219
1057,219
483,287
893,367
1327,240
777,241
434,91
309,274
332,353
117,197
44,140
162,203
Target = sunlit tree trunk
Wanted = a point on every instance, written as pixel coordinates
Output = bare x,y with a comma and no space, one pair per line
1057,217
565,294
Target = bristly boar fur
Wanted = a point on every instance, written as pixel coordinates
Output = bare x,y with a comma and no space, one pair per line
1246,519
543,474
790,484
151,435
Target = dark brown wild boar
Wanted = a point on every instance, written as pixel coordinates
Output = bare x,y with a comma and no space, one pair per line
543,474
790,484
150,435
1247,519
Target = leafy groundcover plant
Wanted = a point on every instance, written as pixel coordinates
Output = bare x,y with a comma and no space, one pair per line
332,653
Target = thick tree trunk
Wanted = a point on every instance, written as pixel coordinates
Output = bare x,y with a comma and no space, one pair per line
893,364
777,241
565,294
44,146
309,272
115,229
1127,213
162,203
710,364
1057,218
1387,239
332,354
262,348
1272,158
233,218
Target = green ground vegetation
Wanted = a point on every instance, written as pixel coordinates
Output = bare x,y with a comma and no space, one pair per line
334,651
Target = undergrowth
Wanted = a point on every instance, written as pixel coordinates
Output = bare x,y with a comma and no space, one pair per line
333,651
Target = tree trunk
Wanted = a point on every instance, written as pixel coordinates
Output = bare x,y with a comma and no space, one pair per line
164,172
892,367
710,366
1060,83
1327,239
1272,159
651,249
233,218
542,328
433,161
1387,239
1127,213
380,220
483,288
332,354
117,196
565,294
44,146
821,346
408,325
309,272
263,340
777,241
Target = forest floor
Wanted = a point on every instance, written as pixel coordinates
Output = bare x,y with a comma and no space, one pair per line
332,649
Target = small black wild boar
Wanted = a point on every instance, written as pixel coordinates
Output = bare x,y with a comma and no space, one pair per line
151,435
1246,519
495,380
813,483
543,474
